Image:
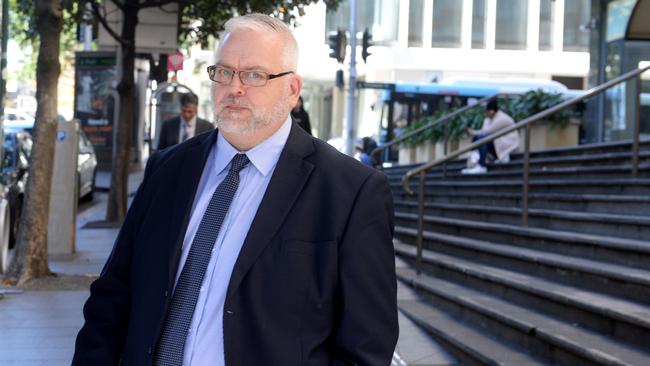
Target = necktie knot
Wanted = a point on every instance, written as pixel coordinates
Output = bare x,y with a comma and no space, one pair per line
238,163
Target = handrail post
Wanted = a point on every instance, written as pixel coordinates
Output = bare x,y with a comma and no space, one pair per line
637,129
525,183
418,260
446,137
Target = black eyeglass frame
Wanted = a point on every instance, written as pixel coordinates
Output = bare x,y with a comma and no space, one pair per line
211,72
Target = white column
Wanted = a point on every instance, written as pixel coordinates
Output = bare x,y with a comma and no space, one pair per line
558,26
403,25
427,24
532,38
491,24
466,25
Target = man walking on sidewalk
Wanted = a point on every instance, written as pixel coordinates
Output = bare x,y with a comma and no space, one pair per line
253,245
185,126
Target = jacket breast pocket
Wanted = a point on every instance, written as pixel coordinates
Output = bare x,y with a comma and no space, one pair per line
312,269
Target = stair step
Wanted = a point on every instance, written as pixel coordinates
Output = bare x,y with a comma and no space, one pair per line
597,203
628,252
503,171
616,280
626,320
628,226
545,336
466,343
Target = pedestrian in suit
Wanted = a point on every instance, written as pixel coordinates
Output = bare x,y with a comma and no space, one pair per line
185,126
253,245
300,116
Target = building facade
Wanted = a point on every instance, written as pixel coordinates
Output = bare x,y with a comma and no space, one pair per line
435,40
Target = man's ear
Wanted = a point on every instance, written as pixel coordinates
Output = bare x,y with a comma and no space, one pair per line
295,88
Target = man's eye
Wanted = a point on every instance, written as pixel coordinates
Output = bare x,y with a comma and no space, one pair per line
254,75
224,72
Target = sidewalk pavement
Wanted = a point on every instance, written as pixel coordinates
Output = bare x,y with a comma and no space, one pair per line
38,328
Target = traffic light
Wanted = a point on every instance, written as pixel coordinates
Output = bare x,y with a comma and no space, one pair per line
337,42
365,43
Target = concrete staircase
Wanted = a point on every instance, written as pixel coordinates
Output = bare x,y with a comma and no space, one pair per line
572,288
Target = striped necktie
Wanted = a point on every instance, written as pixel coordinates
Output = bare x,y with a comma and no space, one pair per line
169,350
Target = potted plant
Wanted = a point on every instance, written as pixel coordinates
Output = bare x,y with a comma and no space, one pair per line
558,130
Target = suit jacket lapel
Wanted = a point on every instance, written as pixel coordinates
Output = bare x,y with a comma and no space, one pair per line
290,175
176,132
190,172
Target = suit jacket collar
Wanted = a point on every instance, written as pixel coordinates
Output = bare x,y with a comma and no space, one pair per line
287,182
191,169
289,177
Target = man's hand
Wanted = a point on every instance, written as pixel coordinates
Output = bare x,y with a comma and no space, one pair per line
470,132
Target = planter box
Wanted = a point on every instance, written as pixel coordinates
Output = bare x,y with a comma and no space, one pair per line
429,151
406,155
459,144
545,136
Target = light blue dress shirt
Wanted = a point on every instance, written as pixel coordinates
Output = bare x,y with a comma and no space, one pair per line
204,344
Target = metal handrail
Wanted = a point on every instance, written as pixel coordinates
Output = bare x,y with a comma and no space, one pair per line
525,123
435,123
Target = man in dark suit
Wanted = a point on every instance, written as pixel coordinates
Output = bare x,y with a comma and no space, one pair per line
253,245
185,126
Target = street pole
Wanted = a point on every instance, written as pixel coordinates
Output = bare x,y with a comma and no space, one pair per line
3,52
87,27
350,122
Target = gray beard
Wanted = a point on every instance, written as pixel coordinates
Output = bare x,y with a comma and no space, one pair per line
258,121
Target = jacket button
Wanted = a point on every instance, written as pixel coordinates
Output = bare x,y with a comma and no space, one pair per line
166,293
150,351
229,312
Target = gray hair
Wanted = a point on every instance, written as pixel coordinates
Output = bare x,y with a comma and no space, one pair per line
266,24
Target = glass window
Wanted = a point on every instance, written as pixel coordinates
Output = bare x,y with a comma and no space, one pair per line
546,15
447,19
380,17
478,23
618,15
511,27
576,14
415,23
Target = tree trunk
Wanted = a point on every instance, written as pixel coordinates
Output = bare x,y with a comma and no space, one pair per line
31,258
117,198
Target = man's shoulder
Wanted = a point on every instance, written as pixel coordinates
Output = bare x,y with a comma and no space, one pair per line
175,154
204,125
171,121
330,160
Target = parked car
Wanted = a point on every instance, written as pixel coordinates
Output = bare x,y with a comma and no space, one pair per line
17,116
86,160
17,149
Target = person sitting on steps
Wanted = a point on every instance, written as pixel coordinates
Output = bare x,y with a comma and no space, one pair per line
500,148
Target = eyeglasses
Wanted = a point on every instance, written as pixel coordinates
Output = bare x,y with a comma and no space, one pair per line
222,75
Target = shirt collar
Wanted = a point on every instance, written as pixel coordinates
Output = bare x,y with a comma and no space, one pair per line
264,156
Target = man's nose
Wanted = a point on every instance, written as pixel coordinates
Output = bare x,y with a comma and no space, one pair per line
236,86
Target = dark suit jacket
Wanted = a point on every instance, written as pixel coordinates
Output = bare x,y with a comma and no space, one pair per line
170,131
314,283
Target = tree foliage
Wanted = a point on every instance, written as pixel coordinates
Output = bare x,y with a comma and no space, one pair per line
203,20
22,29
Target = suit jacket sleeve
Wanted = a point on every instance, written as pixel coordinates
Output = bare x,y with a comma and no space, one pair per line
162,139
101,339
367,329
